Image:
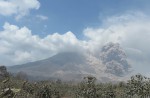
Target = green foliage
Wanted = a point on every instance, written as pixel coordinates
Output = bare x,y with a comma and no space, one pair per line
137,87
87,88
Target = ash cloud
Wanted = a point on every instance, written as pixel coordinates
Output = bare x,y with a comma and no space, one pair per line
115,59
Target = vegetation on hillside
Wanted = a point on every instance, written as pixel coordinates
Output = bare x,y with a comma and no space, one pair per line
15,87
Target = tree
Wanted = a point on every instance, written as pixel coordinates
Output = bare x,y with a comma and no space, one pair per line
21,76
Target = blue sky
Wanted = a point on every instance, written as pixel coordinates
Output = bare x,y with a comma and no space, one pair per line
36,29
74,15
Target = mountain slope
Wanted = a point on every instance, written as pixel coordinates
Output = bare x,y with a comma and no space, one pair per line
110,65
62,64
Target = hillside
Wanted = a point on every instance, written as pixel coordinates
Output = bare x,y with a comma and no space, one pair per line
111,64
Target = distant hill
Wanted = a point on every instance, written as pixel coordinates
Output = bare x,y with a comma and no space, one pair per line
110,64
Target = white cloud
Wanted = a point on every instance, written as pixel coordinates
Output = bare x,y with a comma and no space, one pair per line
42,17
19,8
131,30
18,45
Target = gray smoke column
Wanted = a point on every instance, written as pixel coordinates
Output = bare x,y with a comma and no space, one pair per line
115,59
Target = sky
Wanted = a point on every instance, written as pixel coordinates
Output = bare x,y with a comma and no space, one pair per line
31,30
